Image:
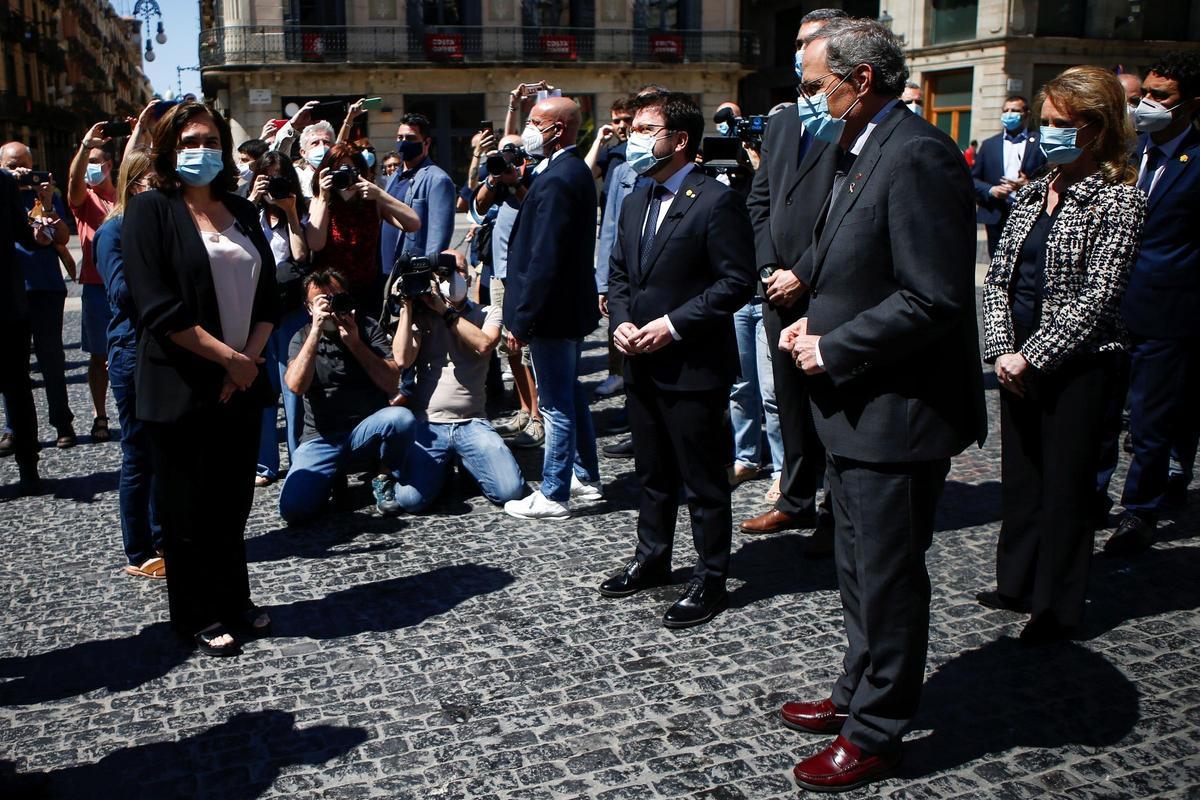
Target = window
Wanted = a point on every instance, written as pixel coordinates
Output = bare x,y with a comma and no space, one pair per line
454,119
1061,17
442,12
948,98
952,20
383,9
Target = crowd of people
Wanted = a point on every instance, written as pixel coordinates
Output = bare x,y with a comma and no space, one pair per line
813,299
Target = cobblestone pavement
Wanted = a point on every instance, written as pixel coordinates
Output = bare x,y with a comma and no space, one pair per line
467,654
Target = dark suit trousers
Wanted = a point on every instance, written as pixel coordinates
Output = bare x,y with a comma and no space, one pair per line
677,439
1048,466
1162,407
204,468
803,453
18,389
883,522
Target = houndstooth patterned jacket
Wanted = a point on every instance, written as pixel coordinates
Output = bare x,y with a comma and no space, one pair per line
1089,253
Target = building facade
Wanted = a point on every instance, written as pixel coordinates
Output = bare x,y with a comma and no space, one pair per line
969,55
66,65
457,60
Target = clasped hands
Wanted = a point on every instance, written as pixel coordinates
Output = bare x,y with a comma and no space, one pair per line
631,340
796,341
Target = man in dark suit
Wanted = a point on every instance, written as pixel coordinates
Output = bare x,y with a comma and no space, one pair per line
681,267
891,346
1161,306
788,193
1003,164
550,304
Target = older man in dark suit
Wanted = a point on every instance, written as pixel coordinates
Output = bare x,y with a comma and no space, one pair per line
682,265
891,345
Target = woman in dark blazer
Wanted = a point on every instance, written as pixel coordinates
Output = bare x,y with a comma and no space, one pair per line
1052,326
202,278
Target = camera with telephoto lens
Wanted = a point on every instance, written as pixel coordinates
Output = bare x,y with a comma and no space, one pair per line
501,162
415,274
344,177
749,130
341,303
279,187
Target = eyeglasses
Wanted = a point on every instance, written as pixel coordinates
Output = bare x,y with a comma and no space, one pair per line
651,129
809,88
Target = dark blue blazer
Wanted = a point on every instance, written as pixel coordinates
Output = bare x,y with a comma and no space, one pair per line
550,290
989,169
1163,298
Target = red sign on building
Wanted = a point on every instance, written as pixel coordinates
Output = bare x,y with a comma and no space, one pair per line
444,46
666,47
560,46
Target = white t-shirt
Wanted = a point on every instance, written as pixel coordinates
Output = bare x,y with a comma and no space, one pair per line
235,266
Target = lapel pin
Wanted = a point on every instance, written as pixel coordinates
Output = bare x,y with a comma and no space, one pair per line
690,193
1184,158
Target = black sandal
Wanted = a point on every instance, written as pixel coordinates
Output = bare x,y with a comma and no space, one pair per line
205,638
100,429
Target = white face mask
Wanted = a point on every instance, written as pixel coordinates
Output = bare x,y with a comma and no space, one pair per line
531,139
1151,116
245,172
455,289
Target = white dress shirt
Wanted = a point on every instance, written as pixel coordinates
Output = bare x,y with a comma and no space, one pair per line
1168,150
669,188
1014,155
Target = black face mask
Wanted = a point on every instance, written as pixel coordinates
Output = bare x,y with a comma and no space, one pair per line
409,151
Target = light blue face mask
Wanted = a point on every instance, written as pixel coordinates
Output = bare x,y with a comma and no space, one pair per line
316,155
799,65
369,157
94,175
1058,144
639,153
816,119
723,128
1012,121
198,165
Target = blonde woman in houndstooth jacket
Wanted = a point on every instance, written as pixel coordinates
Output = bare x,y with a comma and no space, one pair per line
1052,328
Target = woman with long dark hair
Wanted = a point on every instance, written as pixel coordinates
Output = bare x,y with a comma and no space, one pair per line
200,271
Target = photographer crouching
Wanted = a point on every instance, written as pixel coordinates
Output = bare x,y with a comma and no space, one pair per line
449,340
342,366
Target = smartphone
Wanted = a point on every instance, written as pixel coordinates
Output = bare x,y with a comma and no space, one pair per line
331,108
163,106
33,178
372,103
279,123
118,127
486,125
528,89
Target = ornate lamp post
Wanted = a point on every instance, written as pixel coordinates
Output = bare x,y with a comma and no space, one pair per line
149,10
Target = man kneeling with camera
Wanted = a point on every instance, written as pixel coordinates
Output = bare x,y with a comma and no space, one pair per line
449,340
341,364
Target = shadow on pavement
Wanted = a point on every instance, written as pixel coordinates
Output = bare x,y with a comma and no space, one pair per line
1003,696
321,539
967,505
239,759
114,664
80,488
387,605
1159,581
775,565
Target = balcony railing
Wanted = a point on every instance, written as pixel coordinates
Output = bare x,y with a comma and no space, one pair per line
250,45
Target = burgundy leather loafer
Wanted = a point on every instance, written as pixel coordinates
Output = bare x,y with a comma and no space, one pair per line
842,766
819,717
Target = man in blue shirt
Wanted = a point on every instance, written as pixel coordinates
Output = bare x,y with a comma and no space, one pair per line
44,286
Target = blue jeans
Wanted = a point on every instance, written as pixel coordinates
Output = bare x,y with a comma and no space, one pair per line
570,437
317,462
752,398
140,529
276,354
481,450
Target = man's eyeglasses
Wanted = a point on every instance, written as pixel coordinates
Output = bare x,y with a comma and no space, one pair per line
651,129
809,88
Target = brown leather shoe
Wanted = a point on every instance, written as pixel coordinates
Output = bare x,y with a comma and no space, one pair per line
773,521
819,717
842,766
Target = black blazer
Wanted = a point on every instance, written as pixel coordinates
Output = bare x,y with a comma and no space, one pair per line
170,279
782,211
14,228
699,270
551,285
989,169
892,277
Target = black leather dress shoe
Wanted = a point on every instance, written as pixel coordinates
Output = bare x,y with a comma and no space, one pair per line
621,449
635,577
1002,602
1133,536
698,604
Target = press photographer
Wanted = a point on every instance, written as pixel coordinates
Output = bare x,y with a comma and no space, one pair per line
449,340
732,157
343,367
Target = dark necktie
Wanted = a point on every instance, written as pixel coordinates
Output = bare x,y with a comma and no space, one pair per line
656,198
845,162
1152,161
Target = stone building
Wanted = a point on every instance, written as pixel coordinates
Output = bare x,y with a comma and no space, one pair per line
457,60
66,64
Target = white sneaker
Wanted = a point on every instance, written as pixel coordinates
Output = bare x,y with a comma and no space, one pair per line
585,491
611,385
537,506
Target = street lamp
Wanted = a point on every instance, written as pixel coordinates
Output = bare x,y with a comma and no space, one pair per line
161,38
886,19
148,10
149,51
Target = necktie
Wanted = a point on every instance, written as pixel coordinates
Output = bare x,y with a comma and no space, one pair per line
1153,159
845,162
656,196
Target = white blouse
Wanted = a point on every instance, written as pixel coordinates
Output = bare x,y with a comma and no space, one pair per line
235,265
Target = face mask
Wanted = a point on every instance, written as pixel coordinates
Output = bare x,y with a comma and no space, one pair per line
914,107
639,153
95,174
316,155
799,65
245,172
723,128
531,139
1151,116
816,119
369,157
1011,121
1058,144
455,289
198,165
409,151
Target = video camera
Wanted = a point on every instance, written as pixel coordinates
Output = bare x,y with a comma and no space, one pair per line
503,161
724,155
748,129
414,274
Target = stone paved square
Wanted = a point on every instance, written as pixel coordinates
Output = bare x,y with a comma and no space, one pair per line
465,654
